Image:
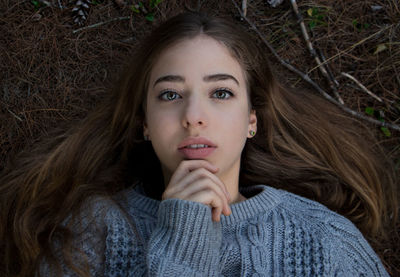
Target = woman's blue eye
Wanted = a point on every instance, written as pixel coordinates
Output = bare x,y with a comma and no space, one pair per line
223,94
168,95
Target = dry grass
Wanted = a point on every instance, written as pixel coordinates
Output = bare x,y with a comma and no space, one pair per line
51,76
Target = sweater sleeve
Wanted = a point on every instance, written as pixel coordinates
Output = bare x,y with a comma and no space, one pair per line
184,242
352,255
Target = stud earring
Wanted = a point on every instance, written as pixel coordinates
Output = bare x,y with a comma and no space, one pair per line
252,133
146,138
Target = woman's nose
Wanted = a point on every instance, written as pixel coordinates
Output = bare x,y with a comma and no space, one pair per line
194,114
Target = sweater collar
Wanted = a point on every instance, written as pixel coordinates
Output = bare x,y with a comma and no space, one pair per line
260,199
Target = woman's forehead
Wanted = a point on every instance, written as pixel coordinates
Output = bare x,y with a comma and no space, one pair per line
199,55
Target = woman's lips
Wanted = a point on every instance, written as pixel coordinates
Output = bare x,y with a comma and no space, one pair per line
196,153
195,140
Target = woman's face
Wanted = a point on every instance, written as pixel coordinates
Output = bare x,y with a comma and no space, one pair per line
197,90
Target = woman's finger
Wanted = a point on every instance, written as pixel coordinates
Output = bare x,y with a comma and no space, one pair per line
187,166
203,183
195,180
191,177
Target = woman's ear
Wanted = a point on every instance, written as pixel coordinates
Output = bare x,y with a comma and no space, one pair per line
252,124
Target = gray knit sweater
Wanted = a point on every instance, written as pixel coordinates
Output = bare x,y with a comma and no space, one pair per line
272,233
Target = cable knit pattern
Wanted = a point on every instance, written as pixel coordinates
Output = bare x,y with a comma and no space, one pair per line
272,233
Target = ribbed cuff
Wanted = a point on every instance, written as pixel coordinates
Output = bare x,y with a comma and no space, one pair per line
186,234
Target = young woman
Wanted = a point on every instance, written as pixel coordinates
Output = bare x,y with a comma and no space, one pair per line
198,164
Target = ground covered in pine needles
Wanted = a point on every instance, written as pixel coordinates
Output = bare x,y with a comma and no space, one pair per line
52,72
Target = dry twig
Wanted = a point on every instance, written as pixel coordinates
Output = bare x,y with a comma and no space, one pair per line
244,7
313,52
321,54
307,78
101,23
16,116
362,86
354,46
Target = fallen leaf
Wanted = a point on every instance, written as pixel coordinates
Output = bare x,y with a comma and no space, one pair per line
369,110
386,131
381,47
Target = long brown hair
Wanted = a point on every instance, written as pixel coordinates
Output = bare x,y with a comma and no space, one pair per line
304,145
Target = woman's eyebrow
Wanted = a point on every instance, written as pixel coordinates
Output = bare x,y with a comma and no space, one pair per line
220,77
208,78
169,78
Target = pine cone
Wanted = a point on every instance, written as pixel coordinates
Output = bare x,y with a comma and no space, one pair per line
81,11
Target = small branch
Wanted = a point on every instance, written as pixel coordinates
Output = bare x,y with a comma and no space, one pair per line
59,5
16,116
321,54
307,78
100,23
306,36
244,7
362,86
354,46
258,33
313,52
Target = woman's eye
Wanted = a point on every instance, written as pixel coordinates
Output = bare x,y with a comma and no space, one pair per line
168,95
222,94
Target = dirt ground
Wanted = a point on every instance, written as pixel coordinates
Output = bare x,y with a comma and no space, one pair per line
52,72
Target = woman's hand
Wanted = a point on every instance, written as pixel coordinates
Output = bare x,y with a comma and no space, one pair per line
195,180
